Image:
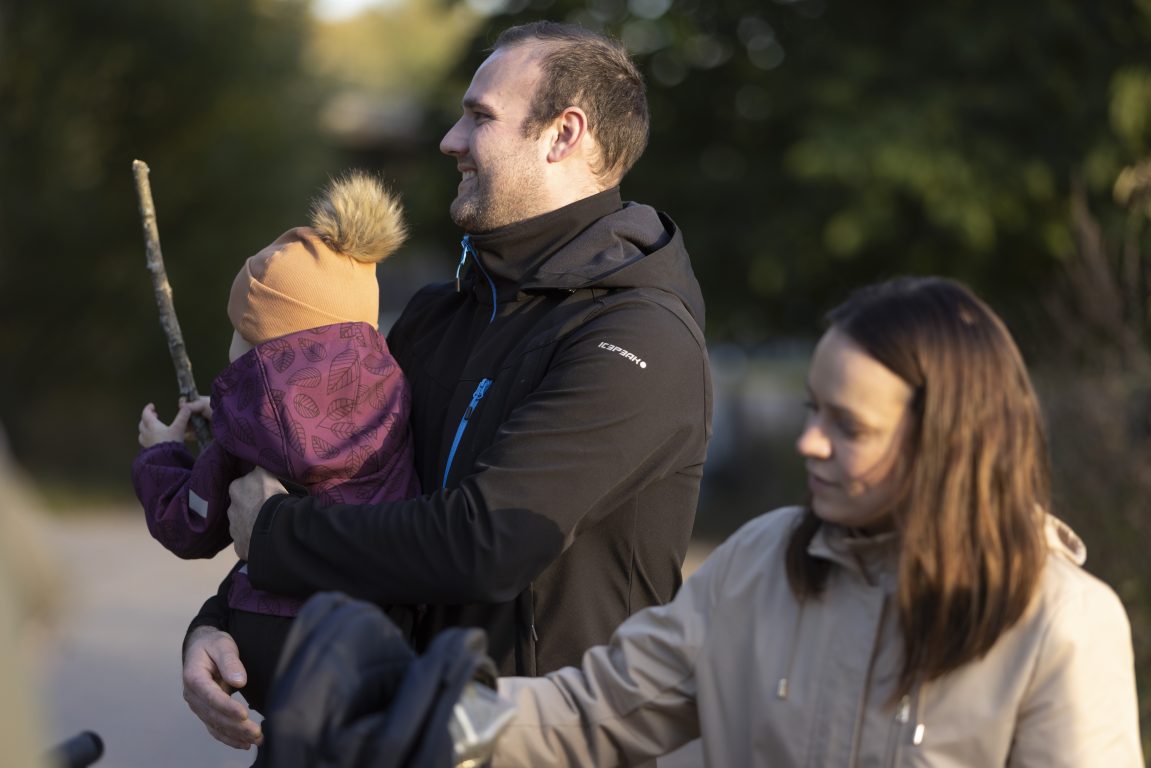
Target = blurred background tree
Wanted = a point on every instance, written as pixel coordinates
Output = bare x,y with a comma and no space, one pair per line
212,94
807,146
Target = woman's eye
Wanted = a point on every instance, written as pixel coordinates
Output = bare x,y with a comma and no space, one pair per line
849,430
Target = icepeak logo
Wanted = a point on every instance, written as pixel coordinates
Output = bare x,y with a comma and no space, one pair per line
623,353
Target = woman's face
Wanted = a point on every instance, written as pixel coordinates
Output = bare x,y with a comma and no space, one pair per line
853,440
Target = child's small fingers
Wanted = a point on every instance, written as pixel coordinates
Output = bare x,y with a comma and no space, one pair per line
181,421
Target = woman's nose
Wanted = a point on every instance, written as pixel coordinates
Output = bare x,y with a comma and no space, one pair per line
812,442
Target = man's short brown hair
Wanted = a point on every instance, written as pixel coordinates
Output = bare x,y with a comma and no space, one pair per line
591,71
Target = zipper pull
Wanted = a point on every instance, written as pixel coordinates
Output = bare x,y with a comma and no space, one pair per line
478,395
466,245
904,713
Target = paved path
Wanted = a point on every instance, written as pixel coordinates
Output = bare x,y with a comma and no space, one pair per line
114,666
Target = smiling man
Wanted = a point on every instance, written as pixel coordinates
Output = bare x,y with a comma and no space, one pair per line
561,397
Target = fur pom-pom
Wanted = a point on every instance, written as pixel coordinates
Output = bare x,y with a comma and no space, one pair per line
357,216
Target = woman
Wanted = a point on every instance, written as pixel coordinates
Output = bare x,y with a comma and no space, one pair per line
923,609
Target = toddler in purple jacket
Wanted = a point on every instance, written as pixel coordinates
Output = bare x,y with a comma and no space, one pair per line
312,395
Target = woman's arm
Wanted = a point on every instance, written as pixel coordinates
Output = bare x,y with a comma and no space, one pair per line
630,700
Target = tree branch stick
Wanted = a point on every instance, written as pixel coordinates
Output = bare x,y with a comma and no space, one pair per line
163,291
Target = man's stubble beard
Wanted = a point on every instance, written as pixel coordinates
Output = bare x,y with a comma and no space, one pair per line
482,211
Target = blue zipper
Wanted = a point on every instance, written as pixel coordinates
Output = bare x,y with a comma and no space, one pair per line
482,387
481,390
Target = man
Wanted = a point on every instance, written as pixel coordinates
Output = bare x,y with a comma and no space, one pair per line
561,394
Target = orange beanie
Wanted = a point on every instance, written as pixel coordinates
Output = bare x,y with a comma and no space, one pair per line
322,274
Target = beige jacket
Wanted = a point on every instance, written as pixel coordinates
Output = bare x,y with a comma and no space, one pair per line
736,660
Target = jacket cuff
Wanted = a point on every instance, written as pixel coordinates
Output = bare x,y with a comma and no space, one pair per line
213,613
261,532
267,517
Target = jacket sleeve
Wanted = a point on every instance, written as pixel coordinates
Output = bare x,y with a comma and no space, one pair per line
628,701
185,500
1081,708
598,429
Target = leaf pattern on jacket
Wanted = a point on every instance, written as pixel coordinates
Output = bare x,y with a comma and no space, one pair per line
279,353
241,429
308,378
314,351
339,409
324,449
306,407
344,371
379,364
296,437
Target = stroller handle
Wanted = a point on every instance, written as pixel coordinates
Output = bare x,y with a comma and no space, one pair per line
80,751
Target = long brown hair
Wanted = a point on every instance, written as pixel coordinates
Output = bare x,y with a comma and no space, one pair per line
970,520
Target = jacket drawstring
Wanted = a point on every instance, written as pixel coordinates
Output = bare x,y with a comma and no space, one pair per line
909,713
920,727
466,248
781,688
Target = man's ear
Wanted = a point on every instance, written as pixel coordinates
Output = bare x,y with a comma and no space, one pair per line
570,133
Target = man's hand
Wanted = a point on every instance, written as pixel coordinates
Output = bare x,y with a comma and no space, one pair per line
212,671
248,494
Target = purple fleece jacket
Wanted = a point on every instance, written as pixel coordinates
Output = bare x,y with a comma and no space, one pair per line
325,408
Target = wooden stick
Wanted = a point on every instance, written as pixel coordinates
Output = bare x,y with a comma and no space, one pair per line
164,303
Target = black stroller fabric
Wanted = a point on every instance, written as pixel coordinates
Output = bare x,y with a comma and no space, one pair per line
350,693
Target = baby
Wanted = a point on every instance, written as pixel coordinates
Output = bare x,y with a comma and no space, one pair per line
312,395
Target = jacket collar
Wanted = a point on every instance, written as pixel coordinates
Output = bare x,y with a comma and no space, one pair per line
512,253
868,556
873,558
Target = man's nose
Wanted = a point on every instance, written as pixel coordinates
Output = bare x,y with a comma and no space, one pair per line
452,143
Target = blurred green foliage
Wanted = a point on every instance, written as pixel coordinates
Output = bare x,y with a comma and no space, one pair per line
808,146
211,94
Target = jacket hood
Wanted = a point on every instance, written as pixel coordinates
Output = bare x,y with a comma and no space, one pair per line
1065,542
327,407
597,242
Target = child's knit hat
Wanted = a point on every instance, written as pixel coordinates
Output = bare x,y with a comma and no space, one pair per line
322,274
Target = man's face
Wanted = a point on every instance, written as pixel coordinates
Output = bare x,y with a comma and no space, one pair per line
504,178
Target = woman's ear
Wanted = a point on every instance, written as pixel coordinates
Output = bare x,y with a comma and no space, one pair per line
570,134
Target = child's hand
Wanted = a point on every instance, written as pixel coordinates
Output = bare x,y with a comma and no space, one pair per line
154,431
